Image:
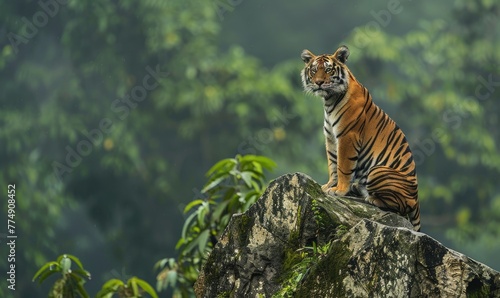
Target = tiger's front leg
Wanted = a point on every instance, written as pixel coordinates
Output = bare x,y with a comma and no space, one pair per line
347,157
331,155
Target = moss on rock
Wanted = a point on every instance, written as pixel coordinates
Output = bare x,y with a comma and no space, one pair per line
371,253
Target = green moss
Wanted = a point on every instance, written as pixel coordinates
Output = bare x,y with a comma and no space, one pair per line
291,255
239,232
318,215
293,263
244,225
297,265
340,231
224,295
314,190
294,237
330,225
332,270
360,211
291,276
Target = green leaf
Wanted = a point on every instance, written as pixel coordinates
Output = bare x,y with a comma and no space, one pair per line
266,162
113,284
132,283
247,177
256,186
45,267
172,263
250,198
146,287
45,275
180,243
192,244
228,162
257,168
213,184
299,277
81,290
105,293
82,273
74,259
171,278
187,223
76,277
202,211
161,263
202,241
192,204
189,247
221,207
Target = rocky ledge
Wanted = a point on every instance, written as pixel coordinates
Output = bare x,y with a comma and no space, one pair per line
297,242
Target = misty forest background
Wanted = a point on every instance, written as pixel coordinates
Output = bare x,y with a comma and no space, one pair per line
165,89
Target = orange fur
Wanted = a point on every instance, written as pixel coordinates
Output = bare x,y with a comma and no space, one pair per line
368,154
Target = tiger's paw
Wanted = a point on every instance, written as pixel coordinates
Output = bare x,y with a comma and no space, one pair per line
328,186
334,191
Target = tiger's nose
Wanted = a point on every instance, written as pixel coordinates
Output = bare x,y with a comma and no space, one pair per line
319,82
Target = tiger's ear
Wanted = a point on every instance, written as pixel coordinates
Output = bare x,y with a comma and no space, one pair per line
306,56
342,54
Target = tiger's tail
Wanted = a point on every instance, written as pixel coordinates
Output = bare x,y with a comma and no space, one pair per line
414,217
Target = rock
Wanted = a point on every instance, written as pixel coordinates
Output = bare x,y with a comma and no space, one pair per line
296,241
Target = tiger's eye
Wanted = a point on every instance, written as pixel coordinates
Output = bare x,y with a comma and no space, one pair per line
329,69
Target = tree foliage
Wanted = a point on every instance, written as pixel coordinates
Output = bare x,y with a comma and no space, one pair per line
111,111
133,287
233,185
71,283
82,142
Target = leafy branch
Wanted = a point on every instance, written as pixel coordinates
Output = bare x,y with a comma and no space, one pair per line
233,185
71,284
72,280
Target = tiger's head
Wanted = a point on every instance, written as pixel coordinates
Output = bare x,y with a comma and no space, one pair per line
325,75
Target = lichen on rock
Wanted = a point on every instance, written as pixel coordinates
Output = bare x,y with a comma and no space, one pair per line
370,252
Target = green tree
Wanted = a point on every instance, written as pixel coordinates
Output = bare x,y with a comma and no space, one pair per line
108,108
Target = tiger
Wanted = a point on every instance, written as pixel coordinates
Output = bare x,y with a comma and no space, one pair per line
368,154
